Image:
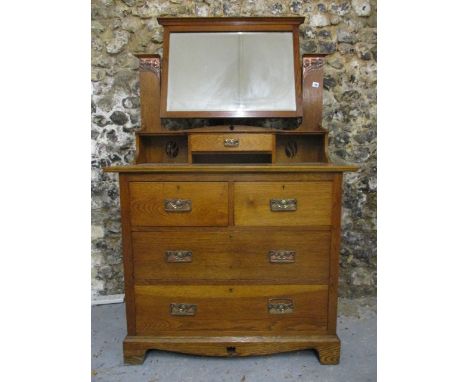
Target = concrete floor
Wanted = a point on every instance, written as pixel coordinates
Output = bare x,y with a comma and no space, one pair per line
356,328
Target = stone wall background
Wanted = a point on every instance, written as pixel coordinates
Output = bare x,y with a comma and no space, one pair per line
346,30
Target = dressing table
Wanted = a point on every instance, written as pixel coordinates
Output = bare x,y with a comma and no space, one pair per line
231,230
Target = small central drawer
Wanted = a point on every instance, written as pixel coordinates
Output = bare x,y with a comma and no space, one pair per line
231,142
169,309
178,203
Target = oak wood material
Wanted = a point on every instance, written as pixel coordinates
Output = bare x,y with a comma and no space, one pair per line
265,229
150,92
232,168
216,142
230,228
231,128
300,148
252,203
312,91
209,203
334,255
243,309
153,149
232,255
327,346
127,254
328,351
253,21
230,177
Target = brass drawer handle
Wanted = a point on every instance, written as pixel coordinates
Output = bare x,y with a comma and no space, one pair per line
282,256
183,309
280,305
283,204
179,256
177,205
231,142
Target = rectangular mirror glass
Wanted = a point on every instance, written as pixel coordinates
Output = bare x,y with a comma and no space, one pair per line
231,71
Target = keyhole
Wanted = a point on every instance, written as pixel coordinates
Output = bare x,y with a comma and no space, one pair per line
231,350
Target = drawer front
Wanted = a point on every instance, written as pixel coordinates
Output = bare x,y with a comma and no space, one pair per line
269,256
282,203
178,203
171,309
231,142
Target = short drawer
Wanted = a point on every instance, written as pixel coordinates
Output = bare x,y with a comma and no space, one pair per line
258,255
171,309
282,203
231,142
178,203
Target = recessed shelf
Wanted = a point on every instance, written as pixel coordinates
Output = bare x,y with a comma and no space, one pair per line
300,148
162,149
237,158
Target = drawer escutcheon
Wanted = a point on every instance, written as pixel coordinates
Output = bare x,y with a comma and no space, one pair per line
280,305
177,205
283,204
179,256
282,256
178,309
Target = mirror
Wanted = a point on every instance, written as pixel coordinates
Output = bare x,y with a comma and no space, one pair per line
231,73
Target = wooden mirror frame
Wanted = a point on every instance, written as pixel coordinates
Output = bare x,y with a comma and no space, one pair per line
232,24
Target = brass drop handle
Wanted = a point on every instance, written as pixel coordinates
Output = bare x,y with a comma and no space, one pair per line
231,142
183,309
283,204
179,256
280,305
177,205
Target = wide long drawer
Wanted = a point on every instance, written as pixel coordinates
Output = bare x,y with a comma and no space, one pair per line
268,255
179,203
282,203
230,308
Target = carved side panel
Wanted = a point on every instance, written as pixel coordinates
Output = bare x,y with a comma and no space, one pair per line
312,92
150,92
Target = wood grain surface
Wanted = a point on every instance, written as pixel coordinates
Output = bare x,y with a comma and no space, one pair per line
232,255
327,346
230,228
232,168
209,203
252,203
150,95
230,309
215,142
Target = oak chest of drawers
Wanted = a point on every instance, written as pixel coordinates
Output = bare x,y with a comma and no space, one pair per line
231,233
231,260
